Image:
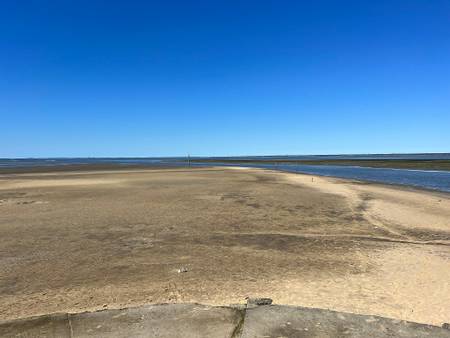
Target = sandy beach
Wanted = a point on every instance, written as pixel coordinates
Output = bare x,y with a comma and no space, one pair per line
72,241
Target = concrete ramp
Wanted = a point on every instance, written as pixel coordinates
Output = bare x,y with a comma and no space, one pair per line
194,320
285,321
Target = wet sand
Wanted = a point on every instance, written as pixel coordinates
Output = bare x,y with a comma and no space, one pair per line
83,240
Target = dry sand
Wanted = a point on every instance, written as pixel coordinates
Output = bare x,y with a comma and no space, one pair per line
77,241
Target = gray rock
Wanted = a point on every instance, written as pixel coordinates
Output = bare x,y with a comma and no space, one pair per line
259,301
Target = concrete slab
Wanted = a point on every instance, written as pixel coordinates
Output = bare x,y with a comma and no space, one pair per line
174,320
49,326
289,322
194,320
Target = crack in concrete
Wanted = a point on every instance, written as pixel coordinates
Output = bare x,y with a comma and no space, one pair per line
237,332
70,325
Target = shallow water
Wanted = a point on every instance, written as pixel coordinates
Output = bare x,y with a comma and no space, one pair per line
429,179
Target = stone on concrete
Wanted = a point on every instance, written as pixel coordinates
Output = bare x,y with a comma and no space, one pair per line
252,302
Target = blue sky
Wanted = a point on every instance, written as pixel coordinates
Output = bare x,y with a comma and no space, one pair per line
166,78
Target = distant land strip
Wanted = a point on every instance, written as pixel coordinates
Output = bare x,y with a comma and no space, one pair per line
391,163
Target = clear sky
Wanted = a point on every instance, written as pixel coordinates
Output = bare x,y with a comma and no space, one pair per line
166,78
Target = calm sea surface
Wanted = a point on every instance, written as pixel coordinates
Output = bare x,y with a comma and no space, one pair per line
429,179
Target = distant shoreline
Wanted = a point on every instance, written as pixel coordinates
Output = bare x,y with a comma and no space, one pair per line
82,167
412,164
